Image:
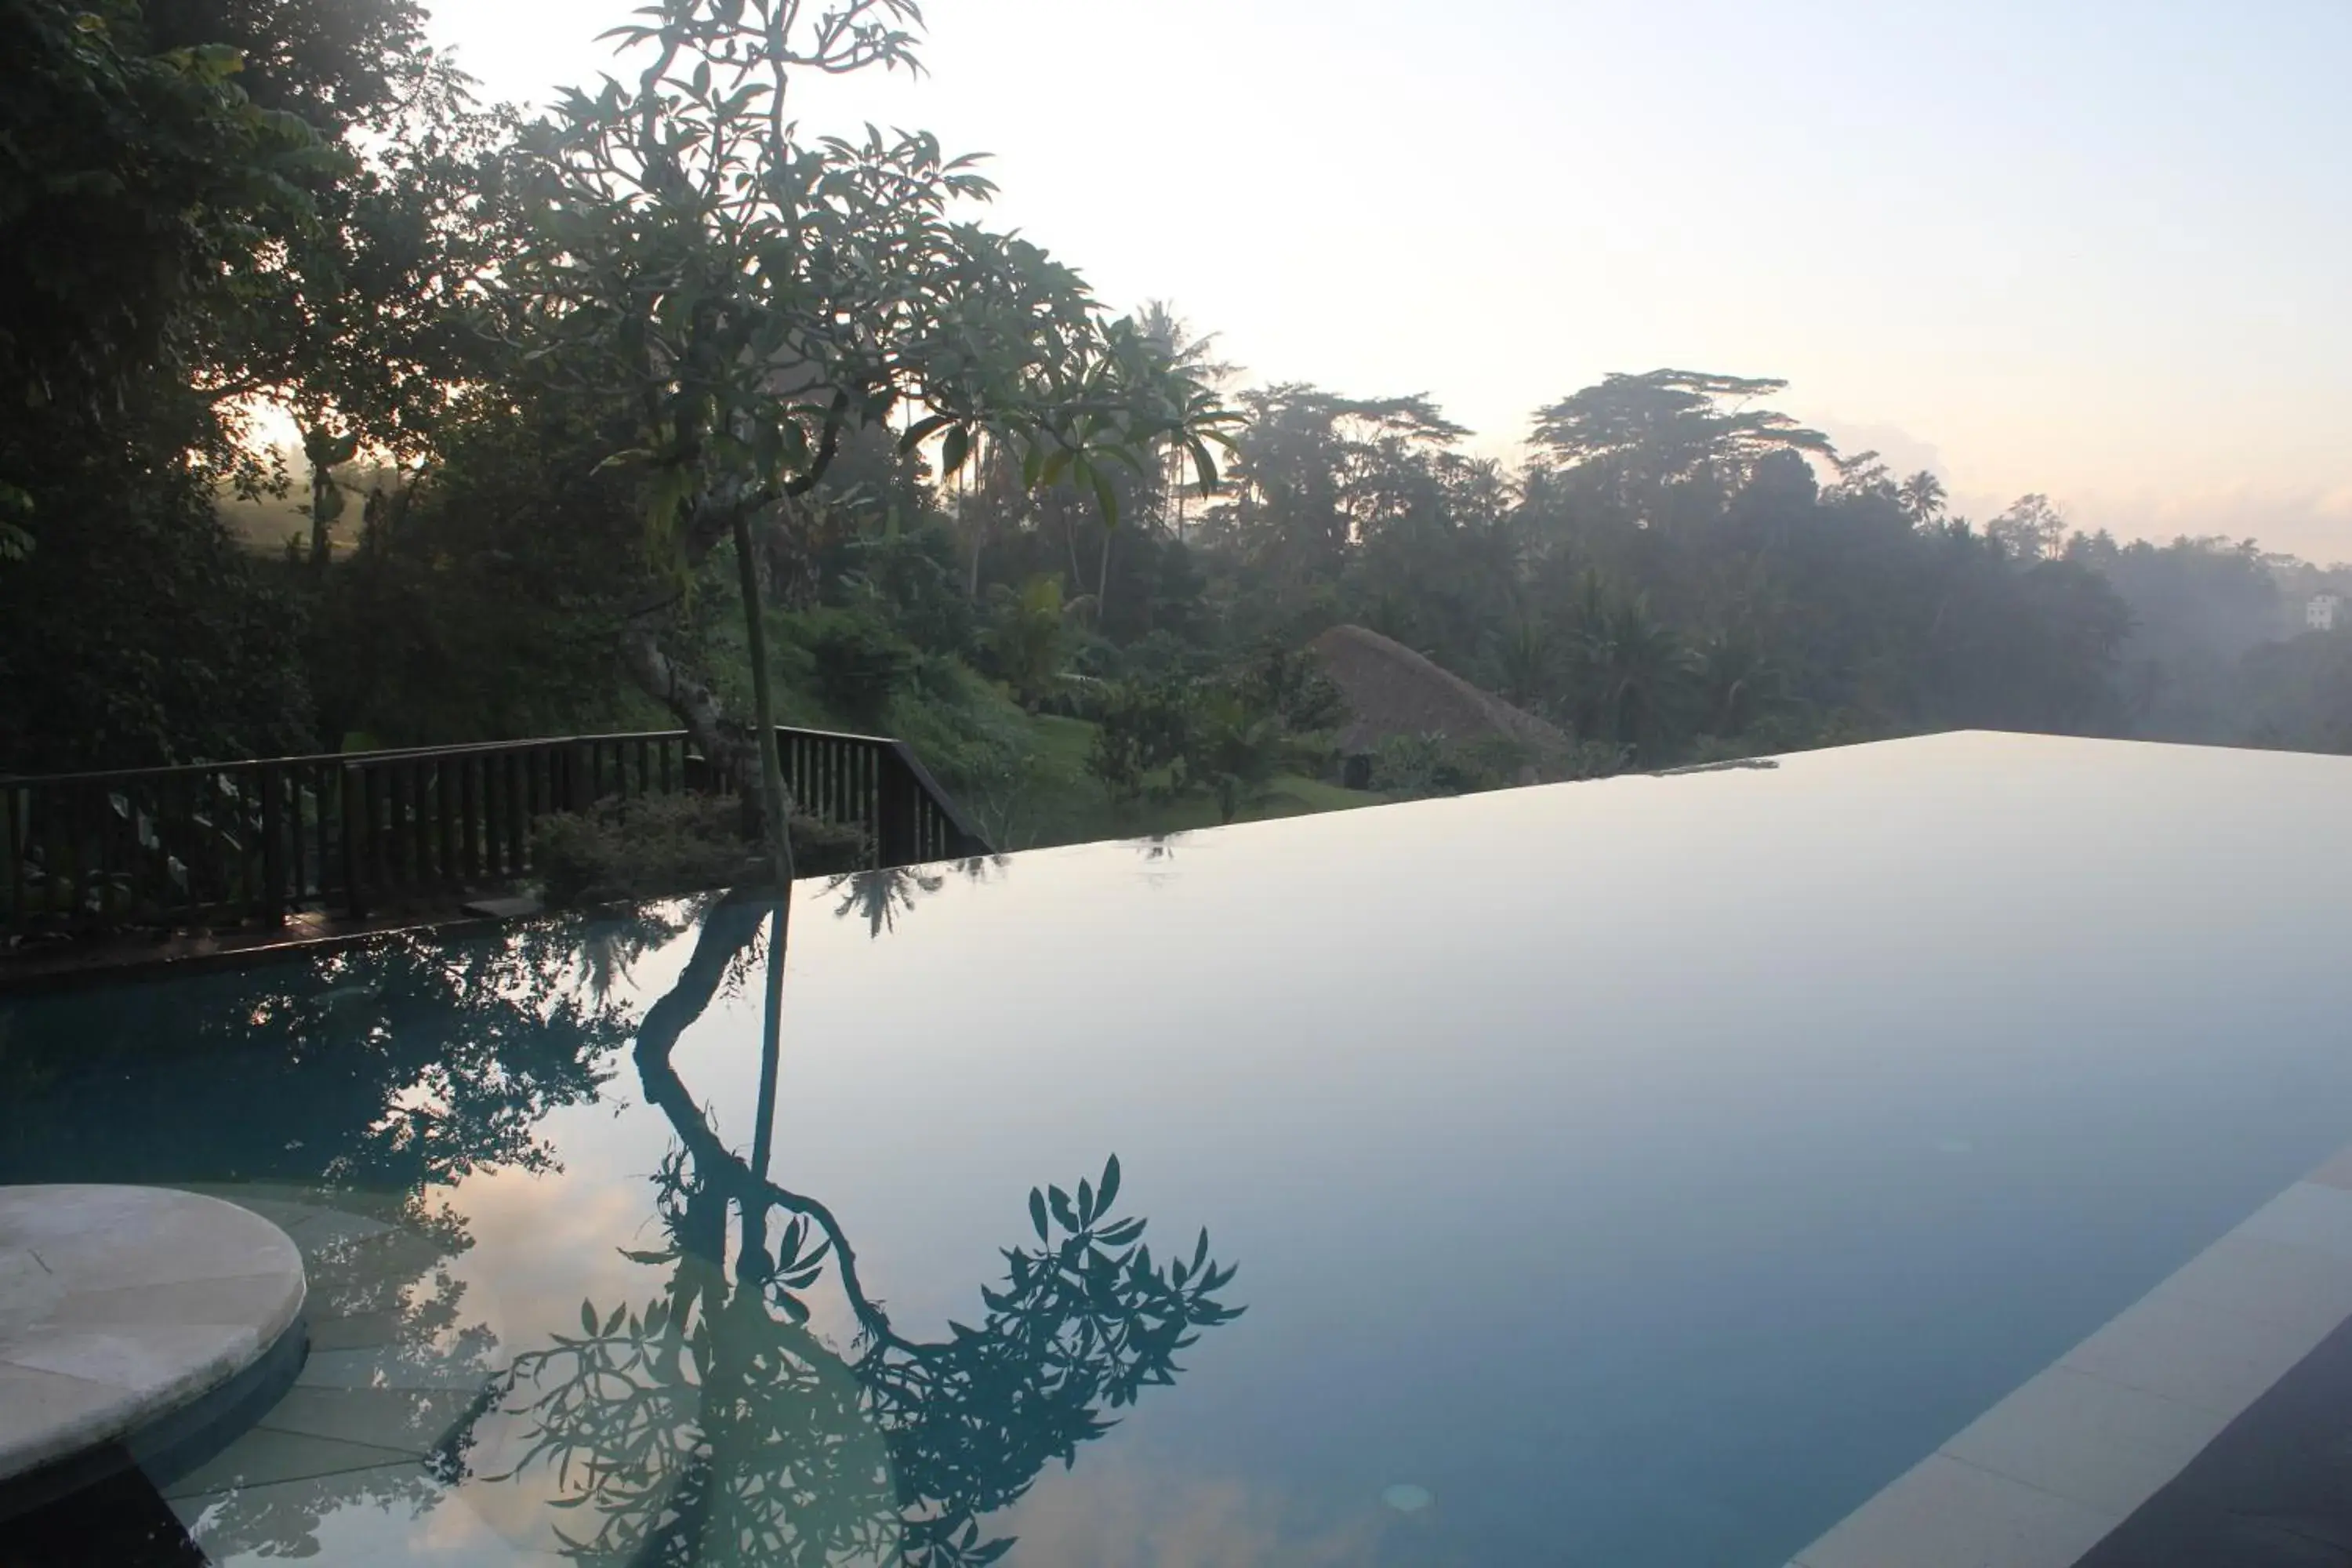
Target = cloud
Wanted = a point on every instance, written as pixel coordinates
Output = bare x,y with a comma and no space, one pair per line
1901,451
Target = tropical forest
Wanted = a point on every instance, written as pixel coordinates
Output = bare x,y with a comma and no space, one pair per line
350,409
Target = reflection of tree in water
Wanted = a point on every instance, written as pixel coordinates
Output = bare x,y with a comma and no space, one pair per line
408,1060
395,1287
879,898
715,1425
1159,853
352,1082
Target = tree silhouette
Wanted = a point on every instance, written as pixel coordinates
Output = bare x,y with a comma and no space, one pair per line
1647,431
355,1080
407,1061
713,1425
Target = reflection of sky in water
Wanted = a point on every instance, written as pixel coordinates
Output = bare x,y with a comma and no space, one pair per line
1639,1172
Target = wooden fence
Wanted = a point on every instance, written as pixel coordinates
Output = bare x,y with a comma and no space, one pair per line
223,844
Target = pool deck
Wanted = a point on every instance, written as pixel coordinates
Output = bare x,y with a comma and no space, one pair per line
364,1410
2210,1422
121,1305
135,954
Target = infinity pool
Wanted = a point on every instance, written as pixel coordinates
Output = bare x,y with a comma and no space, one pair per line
1637,1173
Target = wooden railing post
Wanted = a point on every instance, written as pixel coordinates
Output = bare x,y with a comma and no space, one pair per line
359,830
358,851
897,840
272,902
16,805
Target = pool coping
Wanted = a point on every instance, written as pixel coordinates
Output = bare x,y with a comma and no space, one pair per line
131,1304
66,966
2057,1466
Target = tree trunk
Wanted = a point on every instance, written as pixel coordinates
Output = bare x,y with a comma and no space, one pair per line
1102,578
326,504
732,754
775,809
749,760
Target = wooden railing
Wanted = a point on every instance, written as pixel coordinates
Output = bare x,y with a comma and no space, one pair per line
350,834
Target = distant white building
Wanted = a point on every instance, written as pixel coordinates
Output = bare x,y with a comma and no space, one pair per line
2324,613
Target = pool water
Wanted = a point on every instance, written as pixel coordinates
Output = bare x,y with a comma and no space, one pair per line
1635,1173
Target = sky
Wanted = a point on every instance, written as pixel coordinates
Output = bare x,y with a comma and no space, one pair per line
2095,251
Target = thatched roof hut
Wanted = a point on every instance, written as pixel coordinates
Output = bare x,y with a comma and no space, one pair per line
1393,690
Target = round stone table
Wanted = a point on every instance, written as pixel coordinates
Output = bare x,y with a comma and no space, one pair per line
122,1307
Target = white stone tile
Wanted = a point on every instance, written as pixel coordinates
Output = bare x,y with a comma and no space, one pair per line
1947,1514
185,1246
263,1456
40,1217
2297,1288
153,1295
286,1215
2309,1214
2195,1354
267,1302
30,1289
2097,1442
46,1415
143,1357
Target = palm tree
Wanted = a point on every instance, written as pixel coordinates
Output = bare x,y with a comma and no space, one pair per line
1189,355
1922,498
1529,661
1234,751
1739,679
1633,671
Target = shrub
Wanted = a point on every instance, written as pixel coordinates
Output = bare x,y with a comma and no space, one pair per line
1027,638
658,844
1413,766
860,665
1141,727
1290,684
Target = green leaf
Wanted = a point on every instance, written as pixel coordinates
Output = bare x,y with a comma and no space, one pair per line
587,1317
1037,1212
954,449
1106,496
923,430
1203,464
1109,1181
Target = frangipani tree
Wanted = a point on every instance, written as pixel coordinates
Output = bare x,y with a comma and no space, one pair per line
734,299
716,1425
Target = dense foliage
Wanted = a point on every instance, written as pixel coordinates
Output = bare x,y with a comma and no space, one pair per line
567,394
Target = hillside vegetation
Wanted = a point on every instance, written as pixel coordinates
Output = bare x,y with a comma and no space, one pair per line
540,486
